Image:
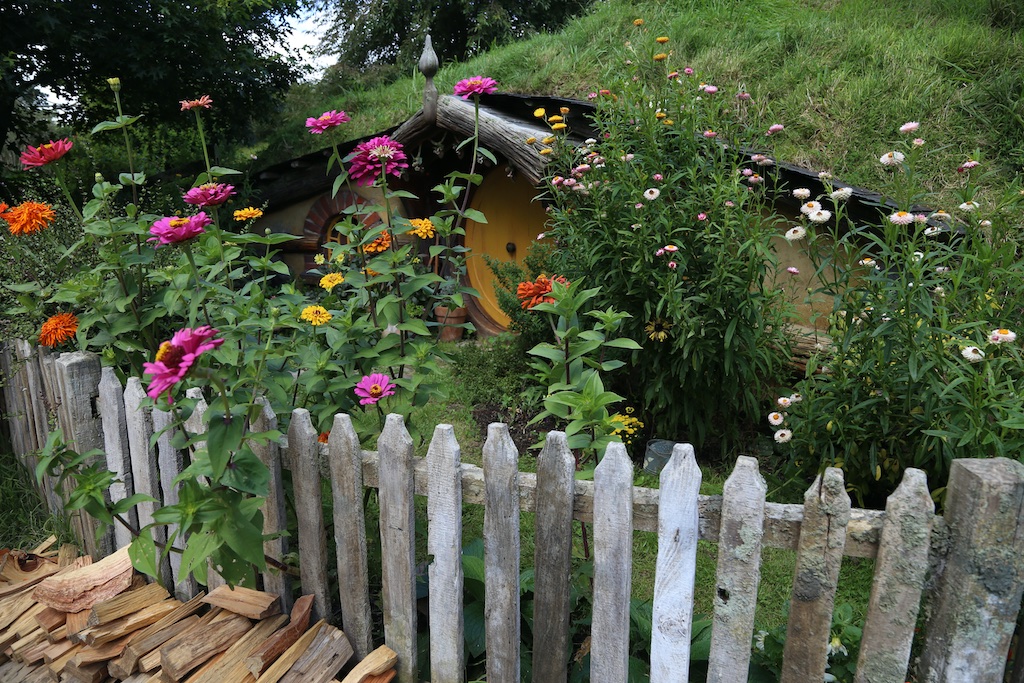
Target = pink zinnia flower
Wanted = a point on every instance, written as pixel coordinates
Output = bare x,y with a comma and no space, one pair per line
373,388
204,102
46,153
176,357
775,128
174,229
209,194
326,121
475,85
376,156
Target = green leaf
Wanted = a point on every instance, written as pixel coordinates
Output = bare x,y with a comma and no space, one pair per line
623,343
220,170
475,215
223,437
132,179
198,548
143,553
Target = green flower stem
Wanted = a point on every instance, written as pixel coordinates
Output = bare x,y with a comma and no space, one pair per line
59,175
202,139
128,148
187,248
397,275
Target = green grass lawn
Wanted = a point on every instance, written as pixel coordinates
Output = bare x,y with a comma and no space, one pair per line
24,520
842,76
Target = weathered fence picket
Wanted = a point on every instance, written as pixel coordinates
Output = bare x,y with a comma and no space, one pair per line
274,517
976,550
613,565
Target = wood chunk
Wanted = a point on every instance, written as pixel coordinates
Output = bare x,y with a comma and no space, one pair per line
75,624
179,658
58,634
82,588
57,650
50,619
264,656
231,665
67,554
126,603
56,667
95,672
375,664
27,642
323,659
26,623
385,677
291,655
245,601
149,659
103,653
44,546
97,635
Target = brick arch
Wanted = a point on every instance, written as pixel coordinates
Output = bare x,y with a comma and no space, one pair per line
322,216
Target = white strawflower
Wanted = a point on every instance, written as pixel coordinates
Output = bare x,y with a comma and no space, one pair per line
973,354
652,193
783,401
801,193
918,255
797,232
1002,336
819,216
969,206
932,231
783,436
795,398
775,419
893,158
842,194
810,207
901,218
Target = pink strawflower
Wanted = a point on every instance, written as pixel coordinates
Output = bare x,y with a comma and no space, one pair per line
175,358
967,165
730,203
373,388
209,194
657,176
710,134
688,71
592,96
742,95
793,270
775,128
174,229
672,265
909,127
376,156
475,85
326,121
673,75
671,248
917,142
710,89
660,252
203,102
702,216
46,153
901,218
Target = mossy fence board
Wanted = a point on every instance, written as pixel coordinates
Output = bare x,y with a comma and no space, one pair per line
975,552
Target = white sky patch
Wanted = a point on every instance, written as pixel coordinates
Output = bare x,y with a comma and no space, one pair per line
303,40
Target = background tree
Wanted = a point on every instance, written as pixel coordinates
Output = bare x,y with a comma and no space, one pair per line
163,51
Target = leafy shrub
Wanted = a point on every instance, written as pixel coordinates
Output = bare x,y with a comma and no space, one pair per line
923,366
491,371
663,211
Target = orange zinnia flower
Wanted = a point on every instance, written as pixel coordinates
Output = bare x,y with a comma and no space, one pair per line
380,244
533,293
28,217
323,436
58,329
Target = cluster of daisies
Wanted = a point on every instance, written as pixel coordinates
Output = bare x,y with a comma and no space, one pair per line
973,354
777,418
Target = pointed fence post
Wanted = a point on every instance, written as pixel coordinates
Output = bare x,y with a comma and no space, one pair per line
36,414
274,518
672,614
739,572
818,559
444,544
398,544
899,579
346,460
613,565
501,554
115,442
171,462
553,560
196,424
304,458
977,597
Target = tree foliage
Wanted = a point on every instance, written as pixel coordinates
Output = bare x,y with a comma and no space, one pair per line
367,32
162,51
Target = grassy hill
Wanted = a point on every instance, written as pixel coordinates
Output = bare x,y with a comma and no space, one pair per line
842,75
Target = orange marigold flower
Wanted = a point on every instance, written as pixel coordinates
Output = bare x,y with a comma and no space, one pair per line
324,436
58,329
422,228
3,207
28,217
381,244
533,293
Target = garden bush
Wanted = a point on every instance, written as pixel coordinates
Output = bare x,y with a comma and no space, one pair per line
666,213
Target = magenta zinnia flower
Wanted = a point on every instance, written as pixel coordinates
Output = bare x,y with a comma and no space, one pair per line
175,358
326,121
373,388
475,85
46,153
375,155
174,229
209,194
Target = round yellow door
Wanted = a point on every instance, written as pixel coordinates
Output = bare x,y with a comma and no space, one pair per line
514,220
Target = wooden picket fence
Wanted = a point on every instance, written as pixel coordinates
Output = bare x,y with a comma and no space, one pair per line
968,564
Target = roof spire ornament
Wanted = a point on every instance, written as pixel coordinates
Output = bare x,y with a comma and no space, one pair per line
428,67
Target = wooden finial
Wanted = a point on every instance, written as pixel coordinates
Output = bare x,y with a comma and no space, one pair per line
428,67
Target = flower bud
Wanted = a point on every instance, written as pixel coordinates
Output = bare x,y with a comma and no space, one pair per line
114,83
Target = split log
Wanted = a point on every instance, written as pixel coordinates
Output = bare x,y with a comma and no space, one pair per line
178,659
323,659
279,668
245,601
139,650
131,623
80,589
266,654
375,664
155,635
127,603
231,665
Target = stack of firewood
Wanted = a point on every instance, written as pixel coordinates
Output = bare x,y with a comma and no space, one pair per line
65,618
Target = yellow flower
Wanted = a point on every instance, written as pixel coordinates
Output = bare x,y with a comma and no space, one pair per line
331,280
555,119
530,140
558,126
668,122
248,213
539,112
548,140
660,57
316,315
660,115
657,329
546,151
638,22
422,228
661,39
319,259
564,110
